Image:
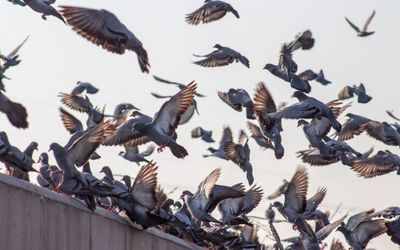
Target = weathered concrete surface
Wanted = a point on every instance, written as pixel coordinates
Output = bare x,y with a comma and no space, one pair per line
34,218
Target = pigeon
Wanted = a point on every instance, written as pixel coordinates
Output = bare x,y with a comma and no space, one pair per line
353,126
259,138
381,163
179,85
222,57
44,7
122,112
274,69
231,209
161,129
212,10
84,86
237,99
13,157
208,195
360,229
307,108
220,152
188,114
103,28
279,191
205,135
16,112
296,202
363,32
240,154
271,128
314,138
43,178
348,92
309,75
382,131
303,40
132,153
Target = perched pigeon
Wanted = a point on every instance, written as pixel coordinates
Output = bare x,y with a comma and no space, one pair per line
307,107
240,154
44,7
212,10
205,135
179,85
132,153
363,32
103,28
222,57
237,99
220,152
381,163
360,229
161,129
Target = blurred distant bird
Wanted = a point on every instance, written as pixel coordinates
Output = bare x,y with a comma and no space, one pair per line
204,134
179,85
222,57
240,154
103,28
212,10
303,40
44,7
363,32
237,99
381,163
220,152
133,154
361,93
310,75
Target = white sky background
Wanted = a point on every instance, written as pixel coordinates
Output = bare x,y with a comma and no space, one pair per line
55,58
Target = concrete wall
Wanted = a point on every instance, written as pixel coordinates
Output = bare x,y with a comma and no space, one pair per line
35,218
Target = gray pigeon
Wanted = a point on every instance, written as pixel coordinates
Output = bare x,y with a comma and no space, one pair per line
309,75
103,28
212,10
16,113
220,152
132,153
270,127
259,138
161,129
348,92
44,7
43,177
381,163
307,108
279,191
237,99
188,114
205,135
303,40
363,32
231,209
222,57
240,154
314,138
360,229
84,86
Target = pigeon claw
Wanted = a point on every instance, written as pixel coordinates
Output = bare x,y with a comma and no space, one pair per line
161,148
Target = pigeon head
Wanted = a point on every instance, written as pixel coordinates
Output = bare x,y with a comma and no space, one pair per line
178,204
55,147
270,67
212,150
302,123
186,193
106,170
217,46
127,180
342,228
34,145
299,95
270,213
43,158
277,205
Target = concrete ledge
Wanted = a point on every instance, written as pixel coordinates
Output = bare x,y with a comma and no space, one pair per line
32,217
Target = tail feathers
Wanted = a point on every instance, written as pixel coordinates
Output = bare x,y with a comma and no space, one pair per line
17,115
364,98
234,12
177,150
143,59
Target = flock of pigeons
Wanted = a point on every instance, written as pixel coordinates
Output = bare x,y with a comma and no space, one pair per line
145,203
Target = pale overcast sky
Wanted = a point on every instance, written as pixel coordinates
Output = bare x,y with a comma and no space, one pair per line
55,58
